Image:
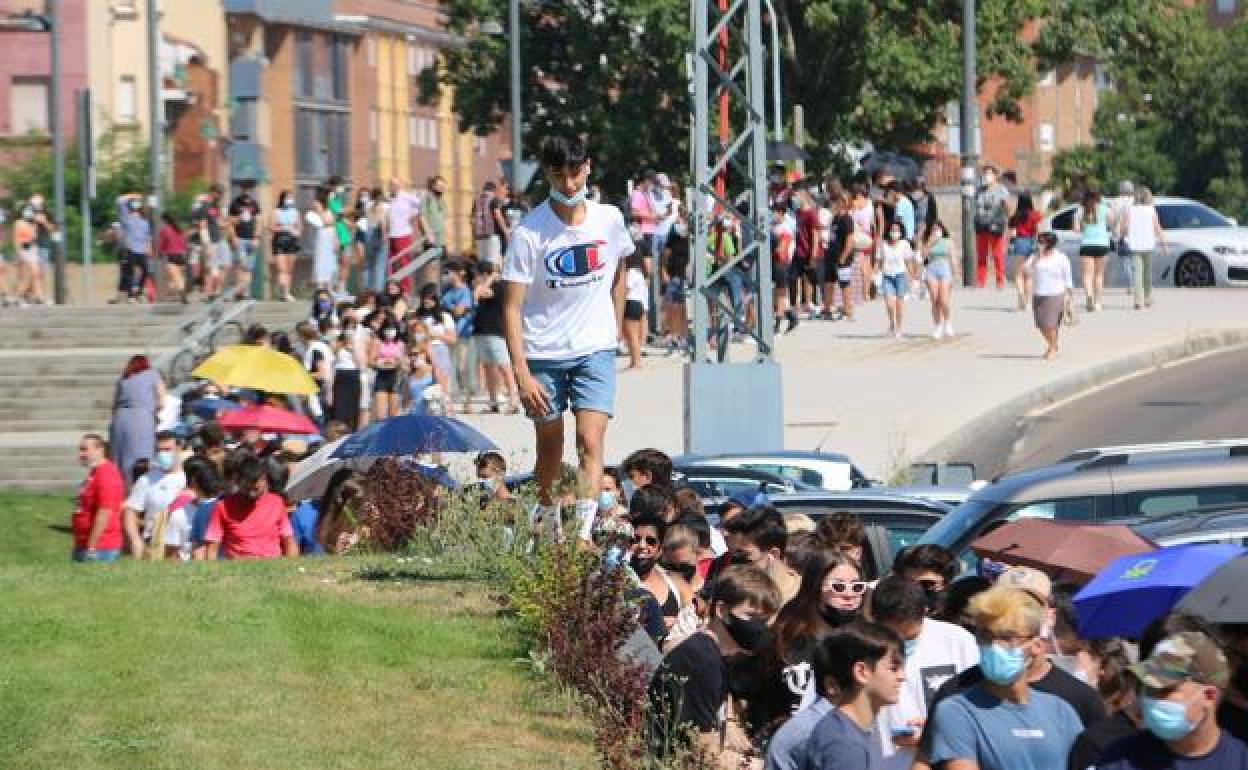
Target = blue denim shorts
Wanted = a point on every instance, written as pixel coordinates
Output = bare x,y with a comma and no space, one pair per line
940,270
245,258
585,383
112,554
894,285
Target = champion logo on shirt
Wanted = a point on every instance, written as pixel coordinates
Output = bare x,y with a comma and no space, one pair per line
575,265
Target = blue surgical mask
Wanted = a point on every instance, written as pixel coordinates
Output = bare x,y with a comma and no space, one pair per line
606,501
1166,719
908,646
1001,664
575,199
165,460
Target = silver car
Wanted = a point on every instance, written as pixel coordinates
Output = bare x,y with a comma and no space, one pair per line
1203,247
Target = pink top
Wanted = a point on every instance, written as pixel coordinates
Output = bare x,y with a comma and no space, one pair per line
392,349
249,529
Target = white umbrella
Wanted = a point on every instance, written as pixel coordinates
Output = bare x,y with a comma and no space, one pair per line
311,477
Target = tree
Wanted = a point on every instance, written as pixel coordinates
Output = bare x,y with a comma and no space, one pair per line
612,71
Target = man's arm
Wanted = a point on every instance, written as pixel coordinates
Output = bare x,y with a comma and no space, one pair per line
619,293
532,396
97,527
130,523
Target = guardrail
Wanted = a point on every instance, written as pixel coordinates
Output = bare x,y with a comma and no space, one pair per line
222,322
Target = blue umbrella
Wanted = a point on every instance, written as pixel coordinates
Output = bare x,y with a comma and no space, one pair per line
208,408
1133,591
412,434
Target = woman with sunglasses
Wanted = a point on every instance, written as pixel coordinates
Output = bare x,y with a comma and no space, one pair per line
831,595
648,533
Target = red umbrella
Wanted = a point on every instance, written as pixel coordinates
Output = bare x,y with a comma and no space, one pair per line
1065,549
268,419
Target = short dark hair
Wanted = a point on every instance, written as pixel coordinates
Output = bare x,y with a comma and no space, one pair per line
201,473
688,501
927,557
841,529
651,461
167,435
801,549
563,151
846,647
247,470
698,524
278,474
650,500
746,584
492,460
896,598
651,520
98,440
762,525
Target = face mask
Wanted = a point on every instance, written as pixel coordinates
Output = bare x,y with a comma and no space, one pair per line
490,485
575,199
686,571
420,337
389,333
28,214
37,203
932,599
365,200
680,229
725,222
628,488
1001,664
642,565
135,205
750,634
606,501
323,305
894,235
908,646
835,616
739,558
1165,718
165,460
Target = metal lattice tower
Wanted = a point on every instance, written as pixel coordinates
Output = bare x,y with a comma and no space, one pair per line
730,406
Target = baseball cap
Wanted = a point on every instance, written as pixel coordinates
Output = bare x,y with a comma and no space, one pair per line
1186,656
1032,581
1125,187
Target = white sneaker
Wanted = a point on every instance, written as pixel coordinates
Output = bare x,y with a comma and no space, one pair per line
938,332
949,329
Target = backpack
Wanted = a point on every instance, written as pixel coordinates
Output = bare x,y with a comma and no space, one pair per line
482,217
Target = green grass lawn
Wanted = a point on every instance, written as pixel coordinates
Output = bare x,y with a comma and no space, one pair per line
281,664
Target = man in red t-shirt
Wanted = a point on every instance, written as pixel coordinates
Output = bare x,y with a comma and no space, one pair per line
97,520
252,522
807,254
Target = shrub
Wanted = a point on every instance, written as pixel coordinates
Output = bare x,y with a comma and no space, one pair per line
396,501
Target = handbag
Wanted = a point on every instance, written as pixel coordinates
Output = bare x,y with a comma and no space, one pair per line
1068,311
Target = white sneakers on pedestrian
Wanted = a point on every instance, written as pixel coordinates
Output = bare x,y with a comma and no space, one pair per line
943,330
949,329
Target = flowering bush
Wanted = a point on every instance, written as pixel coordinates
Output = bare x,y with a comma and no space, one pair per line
396,501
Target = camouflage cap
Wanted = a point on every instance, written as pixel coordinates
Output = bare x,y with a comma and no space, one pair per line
1186,656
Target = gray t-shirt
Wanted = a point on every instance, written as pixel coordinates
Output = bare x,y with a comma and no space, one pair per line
838,744
999,735
990,207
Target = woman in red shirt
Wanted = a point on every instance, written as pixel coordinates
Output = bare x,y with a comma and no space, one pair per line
171,243
1025,226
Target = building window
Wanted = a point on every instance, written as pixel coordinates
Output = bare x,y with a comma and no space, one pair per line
127,99
370,51
373,125
305,67
422,132
1103,80
1046,137
340,68
1227,7
419,59
243,120
28,105
322,139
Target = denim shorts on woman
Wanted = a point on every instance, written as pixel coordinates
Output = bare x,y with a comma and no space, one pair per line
940,270
894,285
582,384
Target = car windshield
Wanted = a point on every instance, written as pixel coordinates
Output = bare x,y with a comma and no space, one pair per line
954,527
1189,216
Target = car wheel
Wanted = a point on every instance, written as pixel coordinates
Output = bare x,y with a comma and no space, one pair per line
1193,271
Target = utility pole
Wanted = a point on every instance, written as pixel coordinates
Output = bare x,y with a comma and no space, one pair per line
156,120
86,189
969,111
60,290
517,121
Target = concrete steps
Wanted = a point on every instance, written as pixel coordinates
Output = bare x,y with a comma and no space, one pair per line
58,369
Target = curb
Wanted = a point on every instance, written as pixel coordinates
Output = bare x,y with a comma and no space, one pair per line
1006,415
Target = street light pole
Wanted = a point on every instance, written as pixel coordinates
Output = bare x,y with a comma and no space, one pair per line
517,147
776,107
60,290
156,119
968,115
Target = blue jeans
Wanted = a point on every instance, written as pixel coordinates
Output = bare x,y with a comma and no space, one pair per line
112,554
585,383
894,285
375,268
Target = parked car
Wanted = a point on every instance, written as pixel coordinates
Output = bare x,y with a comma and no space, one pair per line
1171,450
1212,524
822,470
714,484
1203,247
1101,489
893,521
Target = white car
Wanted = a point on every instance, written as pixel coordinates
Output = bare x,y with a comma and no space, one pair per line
823,470
1203,247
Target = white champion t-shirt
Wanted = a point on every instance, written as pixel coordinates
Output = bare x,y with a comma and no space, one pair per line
944,651
568,311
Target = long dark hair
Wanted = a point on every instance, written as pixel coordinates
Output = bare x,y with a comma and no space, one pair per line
1024,209
168,219
801,617
1091,199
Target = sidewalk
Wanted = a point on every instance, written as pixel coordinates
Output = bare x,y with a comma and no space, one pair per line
849,387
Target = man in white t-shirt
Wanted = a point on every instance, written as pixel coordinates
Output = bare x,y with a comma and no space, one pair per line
935,652
563,304
153,492
403,229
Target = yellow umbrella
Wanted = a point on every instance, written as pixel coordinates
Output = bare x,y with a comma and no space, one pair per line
257,368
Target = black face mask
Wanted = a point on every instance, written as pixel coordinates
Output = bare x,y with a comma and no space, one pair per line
750,635
835,616
739,557
686,571
934,600
642,565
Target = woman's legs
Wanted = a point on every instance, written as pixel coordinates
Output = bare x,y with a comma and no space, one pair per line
1050,337
1088,268
892,304
284,269
1099,264
632,340
933,293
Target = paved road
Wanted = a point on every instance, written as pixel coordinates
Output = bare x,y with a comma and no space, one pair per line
1203,398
